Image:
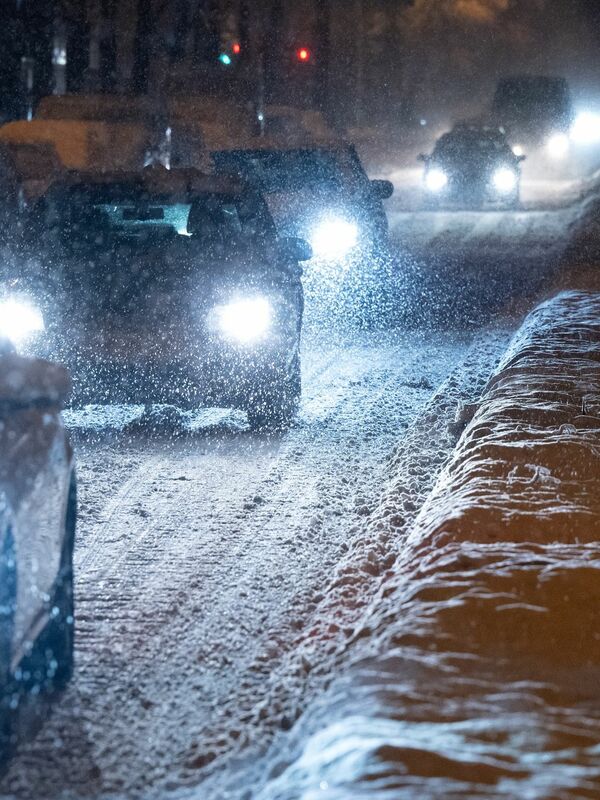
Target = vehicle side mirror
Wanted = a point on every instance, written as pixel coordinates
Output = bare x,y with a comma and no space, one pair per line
383,190
295,249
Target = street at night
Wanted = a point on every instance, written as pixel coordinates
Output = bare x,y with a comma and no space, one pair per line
299,400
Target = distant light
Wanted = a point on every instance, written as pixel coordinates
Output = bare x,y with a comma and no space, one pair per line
505,180
558,145
260,116
303,54
436,179
586,128
422,122
237,48
518,150
225,59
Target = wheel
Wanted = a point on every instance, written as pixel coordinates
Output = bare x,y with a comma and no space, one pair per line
50,664
277,405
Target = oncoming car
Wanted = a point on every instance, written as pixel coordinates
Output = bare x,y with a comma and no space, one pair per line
319,193
37,529
166,287
472,166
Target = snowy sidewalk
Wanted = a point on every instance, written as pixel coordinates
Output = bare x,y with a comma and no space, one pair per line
479,665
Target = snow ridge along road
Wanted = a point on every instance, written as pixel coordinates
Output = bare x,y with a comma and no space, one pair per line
203,554
479,668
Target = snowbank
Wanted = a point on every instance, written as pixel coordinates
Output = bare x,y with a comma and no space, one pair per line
479,664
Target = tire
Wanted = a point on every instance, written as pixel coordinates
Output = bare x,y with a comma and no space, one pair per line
277,406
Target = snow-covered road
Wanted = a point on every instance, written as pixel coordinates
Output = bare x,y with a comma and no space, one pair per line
208,556
202,556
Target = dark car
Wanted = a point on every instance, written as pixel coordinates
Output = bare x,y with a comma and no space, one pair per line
168,287
471,167
536,111
37,529
321,194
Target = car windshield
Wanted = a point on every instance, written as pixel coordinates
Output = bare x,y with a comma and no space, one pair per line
469,144
97,216
285,170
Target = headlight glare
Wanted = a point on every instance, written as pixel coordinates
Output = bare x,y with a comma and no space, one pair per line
245,321
505,180
334,237
19,320
558,145
586,128
436,179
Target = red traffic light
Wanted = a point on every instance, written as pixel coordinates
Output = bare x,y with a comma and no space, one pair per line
236,48
303,54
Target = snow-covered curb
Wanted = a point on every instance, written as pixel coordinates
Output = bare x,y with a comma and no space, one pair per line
527,467
478,664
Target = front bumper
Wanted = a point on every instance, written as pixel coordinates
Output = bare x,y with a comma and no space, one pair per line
184,374
472,196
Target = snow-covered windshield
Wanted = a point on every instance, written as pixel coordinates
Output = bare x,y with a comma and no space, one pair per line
285,170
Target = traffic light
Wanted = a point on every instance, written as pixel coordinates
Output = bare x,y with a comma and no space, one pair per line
229,53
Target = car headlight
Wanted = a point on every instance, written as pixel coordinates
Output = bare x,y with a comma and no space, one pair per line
586,128
19,320
505,180
518,150
333,238
436,179
558,145
245,321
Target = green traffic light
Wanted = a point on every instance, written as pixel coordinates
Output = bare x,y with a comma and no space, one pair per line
225,59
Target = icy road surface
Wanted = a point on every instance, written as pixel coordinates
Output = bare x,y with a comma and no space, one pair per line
202,556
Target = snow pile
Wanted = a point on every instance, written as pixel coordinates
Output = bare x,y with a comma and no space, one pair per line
479,663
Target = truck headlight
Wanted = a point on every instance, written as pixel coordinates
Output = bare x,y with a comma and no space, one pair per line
436,179
504,180
244,321
334,237
19,320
